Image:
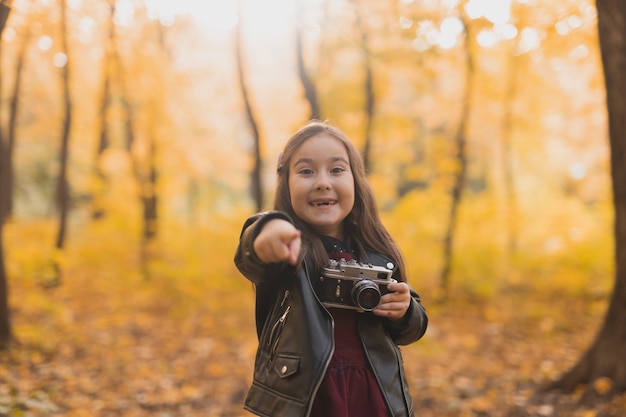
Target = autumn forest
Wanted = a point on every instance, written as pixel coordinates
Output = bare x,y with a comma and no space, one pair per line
137,136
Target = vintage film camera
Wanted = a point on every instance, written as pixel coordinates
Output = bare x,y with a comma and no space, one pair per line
353,285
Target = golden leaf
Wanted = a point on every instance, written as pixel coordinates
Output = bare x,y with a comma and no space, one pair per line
603,385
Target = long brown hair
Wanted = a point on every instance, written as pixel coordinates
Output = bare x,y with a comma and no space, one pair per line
362,227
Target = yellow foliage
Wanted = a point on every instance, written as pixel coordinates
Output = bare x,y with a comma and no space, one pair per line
603,385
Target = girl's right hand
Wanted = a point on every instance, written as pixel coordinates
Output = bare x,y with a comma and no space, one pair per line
278,241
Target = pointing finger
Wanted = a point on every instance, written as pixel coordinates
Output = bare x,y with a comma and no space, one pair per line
294,249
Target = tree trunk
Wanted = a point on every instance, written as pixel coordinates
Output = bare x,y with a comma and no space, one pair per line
370,98
310,93
461,158
507,158
144,169
5,145
5,9
256,175
6,333
607,355
99,177
14,105
63,184
149,194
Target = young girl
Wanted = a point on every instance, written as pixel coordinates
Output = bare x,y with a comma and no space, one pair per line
315,360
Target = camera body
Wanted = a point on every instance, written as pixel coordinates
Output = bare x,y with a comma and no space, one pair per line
353,285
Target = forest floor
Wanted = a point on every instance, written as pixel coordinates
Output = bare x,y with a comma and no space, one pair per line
106,343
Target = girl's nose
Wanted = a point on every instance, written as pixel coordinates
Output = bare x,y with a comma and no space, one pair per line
322,183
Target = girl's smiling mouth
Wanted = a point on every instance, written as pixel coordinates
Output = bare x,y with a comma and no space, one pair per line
319,203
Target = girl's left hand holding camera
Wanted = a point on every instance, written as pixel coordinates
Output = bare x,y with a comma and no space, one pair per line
278,241
394,305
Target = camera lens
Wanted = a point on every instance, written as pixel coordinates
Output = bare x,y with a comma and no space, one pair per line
365,294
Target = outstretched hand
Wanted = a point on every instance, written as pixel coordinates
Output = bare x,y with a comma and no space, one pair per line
395,304
278,241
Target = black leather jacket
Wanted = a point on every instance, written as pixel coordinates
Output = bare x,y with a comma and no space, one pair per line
295,334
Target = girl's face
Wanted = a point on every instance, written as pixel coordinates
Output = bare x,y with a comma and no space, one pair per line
321,184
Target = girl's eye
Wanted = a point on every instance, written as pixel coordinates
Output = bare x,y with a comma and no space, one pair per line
337,170
305,171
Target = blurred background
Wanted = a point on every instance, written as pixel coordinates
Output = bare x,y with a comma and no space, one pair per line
139,135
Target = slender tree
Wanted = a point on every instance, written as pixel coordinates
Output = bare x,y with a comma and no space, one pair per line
14,106
368,87
607,355
63,194
256,178
310,92
5,321
146,174
143,163
5,9
6,148
507,156
461,159
406,184
99,177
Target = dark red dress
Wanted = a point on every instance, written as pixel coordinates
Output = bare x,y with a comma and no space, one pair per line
349,387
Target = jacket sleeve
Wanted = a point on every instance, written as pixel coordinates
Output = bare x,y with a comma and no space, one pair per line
413,325
246,260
